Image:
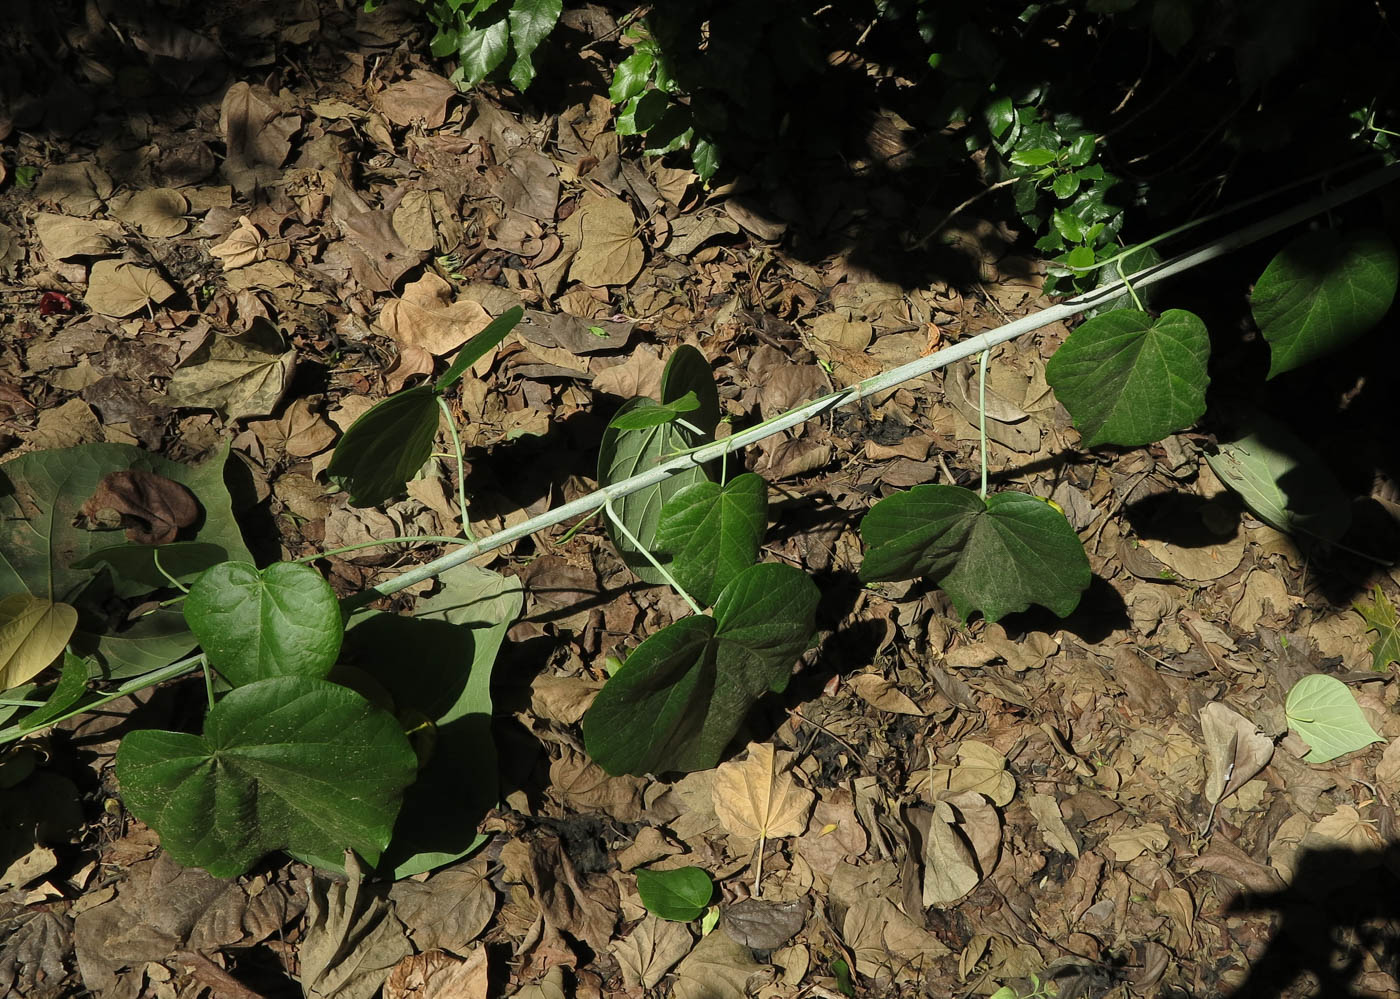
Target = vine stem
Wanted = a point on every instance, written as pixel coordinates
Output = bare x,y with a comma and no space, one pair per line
982,415
871,386
655,564
889,379
461,469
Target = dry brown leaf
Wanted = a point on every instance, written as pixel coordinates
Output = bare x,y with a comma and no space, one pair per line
551,986
982,769
609,251
1052,824
650,950
950,870
242,246
241,375
118,288
449,910
640,374
77,188
1344,829
300,432
764,925
881,693
63,237
888,944
584,786
257,135
33,633
152,508
1235,750
413,221
426,317
436,974
159,212
718,968
1127,844
690,232
1200,563
352,939
422,96
755,802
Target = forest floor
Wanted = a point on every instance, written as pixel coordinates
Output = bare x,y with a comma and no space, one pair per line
990,801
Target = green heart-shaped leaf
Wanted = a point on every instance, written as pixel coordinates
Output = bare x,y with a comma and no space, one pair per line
624,453
254,624
1283,481
679,895
1321,710
680,697
1322,291
386,446
713,532
996,557
290,763
1127,378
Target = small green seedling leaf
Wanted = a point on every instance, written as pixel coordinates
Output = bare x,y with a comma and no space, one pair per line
997,557
477,347
653,415
72,681
33,633
1381,618
254,624
1129,379
679,895
386,446
624,453
680,697
290,763
1283,481
1321,710
713,533
1321,292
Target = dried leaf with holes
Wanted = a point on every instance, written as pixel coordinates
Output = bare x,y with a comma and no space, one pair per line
152,508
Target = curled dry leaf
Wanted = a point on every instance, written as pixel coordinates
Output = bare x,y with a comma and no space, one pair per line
754,801
33,633
1235,750
436,974
63,237
426,317
152,508
981,768
118,288
241,247
881,693
764,925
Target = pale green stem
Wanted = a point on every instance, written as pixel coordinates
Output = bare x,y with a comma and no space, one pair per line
1129,285
871,386
208,679
19,730
884,381
436,539
461,469
982,414
155,558
665,574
